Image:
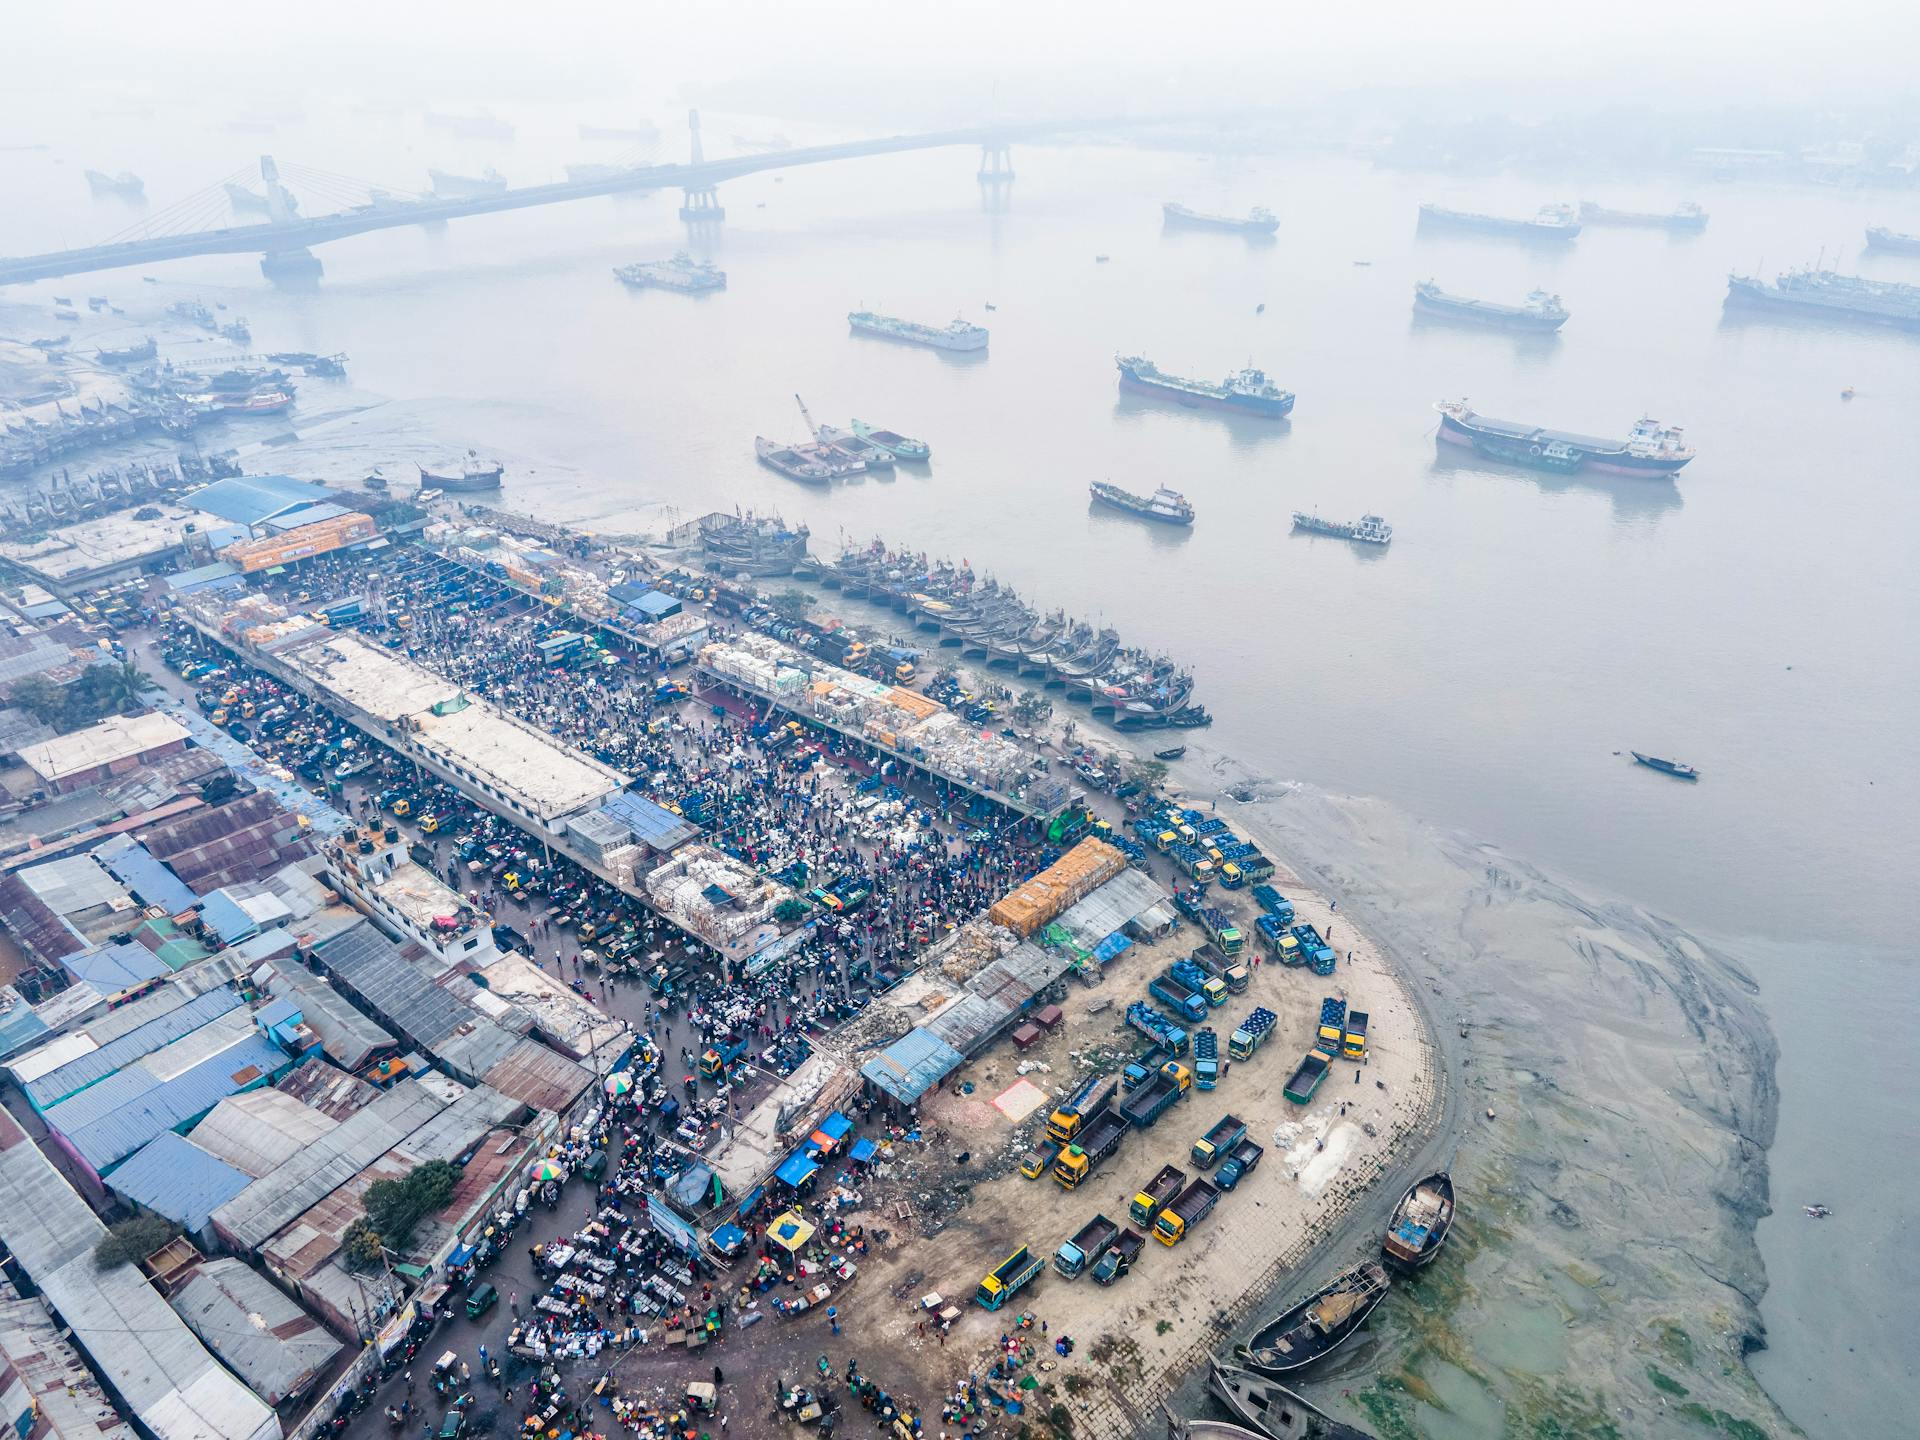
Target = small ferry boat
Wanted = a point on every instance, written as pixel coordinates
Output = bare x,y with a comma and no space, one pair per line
1271,1409
1368,529
1420,1223
1168,506
1319,1324
1666,767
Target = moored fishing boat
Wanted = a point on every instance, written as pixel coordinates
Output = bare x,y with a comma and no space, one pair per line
1319,1324
1172,752
469,473
1420,1223
1273,1410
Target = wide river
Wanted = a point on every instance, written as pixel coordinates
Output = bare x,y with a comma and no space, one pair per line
1487,672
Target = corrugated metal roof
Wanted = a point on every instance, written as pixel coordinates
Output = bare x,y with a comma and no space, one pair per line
48,935
225,917
542,1078
110,968
256,1213
19,1025
371,965
328,1089
73,883
912,1065
249,499
1128,895
106,1139
259,1130
67,1400
456,1129
57,1084
653,825
44,1222
968,1022
152,883
268,1340
349,1038
305,515
202,576
475,1048
172,1176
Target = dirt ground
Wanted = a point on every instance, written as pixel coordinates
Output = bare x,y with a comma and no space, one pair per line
1136,1339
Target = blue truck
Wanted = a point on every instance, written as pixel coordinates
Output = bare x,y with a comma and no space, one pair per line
1164,1034
1239,1164
1180,997
1194,976
1274,903
1319,954
1206,1059
1255,1028
1086,1247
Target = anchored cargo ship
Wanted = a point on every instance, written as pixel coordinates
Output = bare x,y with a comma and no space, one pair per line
1553,222
960,335
1542,312
1368,529
1257,221
1169,506
809,463
1880,238
902,446
461,187
1651,449
1836,297
469,473
1687,216
682,273
1247,391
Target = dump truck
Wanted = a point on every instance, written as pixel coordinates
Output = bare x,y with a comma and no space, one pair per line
1164,1034
1087,1102
1318,953
1255,1028
1158,1194
1278,939
1007,1277
1180,997
1354,1046
1306,1077
1273,903
1187,1211
1206,1059
1213,1146
1099,1140
1040,1159
1191,973
1192,861
1119,1257
1153,1099
1221,930
1086,1247
1332,1030
1240,1163
1236,975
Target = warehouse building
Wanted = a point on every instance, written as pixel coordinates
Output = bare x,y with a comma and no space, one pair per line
112,747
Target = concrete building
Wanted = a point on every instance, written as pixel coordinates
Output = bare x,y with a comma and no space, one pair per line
71,558
114,746
409,902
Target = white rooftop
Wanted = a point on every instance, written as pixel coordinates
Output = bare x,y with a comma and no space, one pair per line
100,544
119,737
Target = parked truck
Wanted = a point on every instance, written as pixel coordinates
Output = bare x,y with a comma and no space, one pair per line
1206,1059
1040,1159
1354,1047
1119,1257
1160,1192
1099,1140
1236,975
1332,1030
1274,903
1279,940
1180,997
1157,1028
1191,973
1007,1277
1221,930
1318,953
1089,1243
1254,1029
1306,1077
1240,1163
1153,1099
1187,1211
1088,1101
1213,1146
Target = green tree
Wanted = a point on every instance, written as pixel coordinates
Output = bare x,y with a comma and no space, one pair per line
1032,707
122,687
793,604
361,1244
396,1207
133,1240
41,698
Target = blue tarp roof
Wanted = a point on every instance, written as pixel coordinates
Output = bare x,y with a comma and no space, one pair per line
655,605
912,1065
226,919
835,1126
729,1238
204,577
129,862
797,1169
863,1150
691,1188
109,1122
653,825
305,515
1113,945
628,592
76,1075
112,968
176,1178
249,499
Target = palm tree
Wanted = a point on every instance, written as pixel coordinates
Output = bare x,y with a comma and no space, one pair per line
122,687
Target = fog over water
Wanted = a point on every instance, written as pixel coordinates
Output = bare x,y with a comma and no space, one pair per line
1486,673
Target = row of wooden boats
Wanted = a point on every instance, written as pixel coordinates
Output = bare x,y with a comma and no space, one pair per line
1253,1390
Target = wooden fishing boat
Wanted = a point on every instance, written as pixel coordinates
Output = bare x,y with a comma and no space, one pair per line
1420,1222
1275,1411
1207,1430
1318,1324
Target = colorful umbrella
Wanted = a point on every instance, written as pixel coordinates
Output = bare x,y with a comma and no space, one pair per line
546,1170
619,1084
790,1232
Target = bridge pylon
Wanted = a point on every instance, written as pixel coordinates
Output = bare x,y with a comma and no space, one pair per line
700,206
296,269
996,163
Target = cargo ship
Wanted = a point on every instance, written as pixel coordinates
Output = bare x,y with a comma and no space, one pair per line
1687,217
1541,313
126,184
1553,222
1368,529
1257,221
131,354
1168,506
810,463
469,473
902,446
1823,294
1247,391
959,336
462,187
682,273
1881,238
1650,449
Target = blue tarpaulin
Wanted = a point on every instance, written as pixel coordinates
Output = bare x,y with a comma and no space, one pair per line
797,1169
863,1151
1111,947
728,1239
